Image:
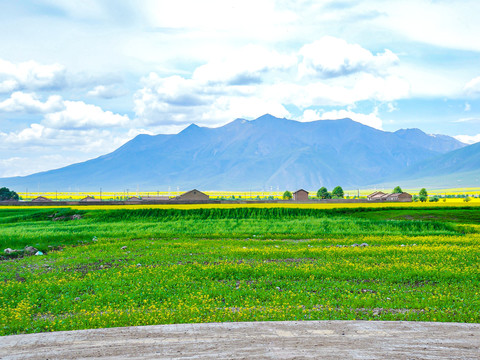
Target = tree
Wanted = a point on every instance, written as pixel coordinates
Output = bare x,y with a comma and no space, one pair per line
7,194
323,193
423,195
337,193
287,195
397,190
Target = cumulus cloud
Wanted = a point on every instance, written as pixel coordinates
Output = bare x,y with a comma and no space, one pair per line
79,115
331,57
30,75
29,103
248,85
107,91
175,100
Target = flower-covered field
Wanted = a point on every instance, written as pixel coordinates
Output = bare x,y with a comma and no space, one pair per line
159,266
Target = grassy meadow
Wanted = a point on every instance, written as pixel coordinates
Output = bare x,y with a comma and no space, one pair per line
142,265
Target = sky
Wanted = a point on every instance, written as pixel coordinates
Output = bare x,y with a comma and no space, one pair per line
80,78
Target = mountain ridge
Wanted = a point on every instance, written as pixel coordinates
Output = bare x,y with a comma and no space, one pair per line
251,154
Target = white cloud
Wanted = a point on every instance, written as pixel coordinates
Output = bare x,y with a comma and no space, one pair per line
224,109
441,23
175,100
25,165
391,107
30,75
89,141
247,85
78,115
29,103
331,57
468,119
468,139
467,107
310,115
40,148
338,92
371,119
107,92
473,86
244,66
249,18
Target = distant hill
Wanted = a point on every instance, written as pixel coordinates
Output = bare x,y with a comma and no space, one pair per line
258,154
458,168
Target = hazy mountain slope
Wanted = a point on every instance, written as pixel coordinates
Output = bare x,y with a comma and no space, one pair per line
460,168
435,142
262,153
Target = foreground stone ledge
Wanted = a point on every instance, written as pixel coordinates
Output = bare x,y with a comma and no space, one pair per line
255,340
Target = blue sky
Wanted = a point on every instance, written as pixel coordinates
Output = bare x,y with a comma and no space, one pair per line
80,78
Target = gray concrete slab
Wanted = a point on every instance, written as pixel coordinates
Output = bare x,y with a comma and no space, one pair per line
255,340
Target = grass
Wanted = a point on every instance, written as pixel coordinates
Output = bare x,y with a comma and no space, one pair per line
160,266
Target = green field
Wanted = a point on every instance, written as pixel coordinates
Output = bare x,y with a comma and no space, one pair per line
161,266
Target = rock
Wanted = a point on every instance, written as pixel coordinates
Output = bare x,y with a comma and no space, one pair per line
39,253
354,245
138,265
76,217
9,251
94,238
76,299
30,250
363,244
124,247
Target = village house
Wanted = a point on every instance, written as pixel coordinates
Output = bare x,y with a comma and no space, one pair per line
401,197
300,195
193,195
394,197
88,198
41,199
377,195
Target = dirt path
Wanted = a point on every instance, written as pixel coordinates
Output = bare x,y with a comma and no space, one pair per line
275,340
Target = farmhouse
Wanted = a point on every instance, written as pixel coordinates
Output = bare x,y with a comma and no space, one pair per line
41,199
88,198
380,196
134,199
193,195
377,195
402,197
300,195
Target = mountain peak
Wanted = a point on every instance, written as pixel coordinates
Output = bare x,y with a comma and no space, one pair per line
190,128
267,117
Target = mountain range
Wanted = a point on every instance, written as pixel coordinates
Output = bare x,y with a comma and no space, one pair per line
264,153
